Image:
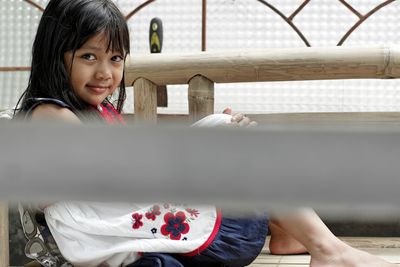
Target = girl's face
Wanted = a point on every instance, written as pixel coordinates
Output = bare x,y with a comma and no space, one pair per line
95,73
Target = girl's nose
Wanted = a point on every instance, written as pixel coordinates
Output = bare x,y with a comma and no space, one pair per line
103,73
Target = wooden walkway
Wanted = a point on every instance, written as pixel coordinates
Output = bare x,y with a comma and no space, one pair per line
385,247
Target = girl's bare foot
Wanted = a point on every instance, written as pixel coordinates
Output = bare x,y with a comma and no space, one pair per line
282,243
346,256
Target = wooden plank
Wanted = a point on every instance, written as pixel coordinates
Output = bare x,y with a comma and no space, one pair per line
145,102
290,64
373,242
360,242
328,117
200,97
387,248
323,117
388,254
4,236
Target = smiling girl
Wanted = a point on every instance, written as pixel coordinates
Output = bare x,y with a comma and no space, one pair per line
78,61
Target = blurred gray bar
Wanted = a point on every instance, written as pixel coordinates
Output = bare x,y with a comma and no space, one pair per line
341,170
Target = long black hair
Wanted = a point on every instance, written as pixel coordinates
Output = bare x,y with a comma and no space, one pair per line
65,26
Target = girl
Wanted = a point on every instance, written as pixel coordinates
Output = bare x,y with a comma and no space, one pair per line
77,66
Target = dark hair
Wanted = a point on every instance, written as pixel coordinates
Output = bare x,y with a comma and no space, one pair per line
65,26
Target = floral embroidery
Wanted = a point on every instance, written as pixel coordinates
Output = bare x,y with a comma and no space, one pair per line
137,220
193,212
166,206
175,225
151,215
154,230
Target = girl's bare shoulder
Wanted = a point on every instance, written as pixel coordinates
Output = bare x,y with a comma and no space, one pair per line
54,112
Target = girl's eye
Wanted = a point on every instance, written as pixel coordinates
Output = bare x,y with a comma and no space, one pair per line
88,57
117,58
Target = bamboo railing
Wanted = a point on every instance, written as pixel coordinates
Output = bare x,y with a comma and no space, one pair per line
202,70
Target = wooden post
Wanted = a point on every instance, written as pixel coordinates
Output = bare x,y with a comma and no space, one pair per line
4,237
145,101
201,97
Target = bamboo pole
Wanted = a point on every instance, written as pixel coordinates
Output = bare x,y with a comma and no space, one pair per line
4,236
10,69
204,25
145,103
306,157
310,63
200,97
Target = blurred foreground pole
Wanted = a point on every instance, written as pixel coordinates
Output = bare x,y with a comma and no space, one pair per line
341,170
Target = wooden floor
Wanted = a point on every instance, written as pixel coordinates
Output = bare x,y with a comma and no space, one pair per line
387,248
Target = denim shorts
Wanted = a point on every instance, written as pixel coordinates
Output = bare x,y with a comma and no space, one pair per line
238,242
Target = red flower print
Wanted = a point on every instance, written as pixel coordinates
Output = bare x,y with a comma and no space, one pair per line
175,225
192,212
154,212
137,220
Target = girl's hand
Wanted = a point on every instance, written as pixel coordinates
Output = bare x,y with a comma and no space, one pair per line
239,119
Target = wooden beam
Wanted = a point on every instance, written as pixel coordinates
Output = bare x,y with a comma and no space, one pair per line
200,97
4,236
328,117
310,63
320,117
145,102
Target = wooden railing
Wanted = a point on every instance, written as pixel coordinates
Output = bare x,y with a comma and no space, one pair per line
201,70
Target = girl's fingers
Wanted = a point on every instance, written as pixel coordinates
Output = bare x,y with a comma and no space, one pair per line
237,117
244,122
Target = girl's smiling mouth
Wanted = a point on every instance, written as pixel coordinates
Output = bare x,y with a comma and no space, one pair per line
97,88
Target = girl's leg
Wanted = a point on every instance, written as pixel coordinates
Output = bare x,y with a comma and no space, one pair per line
326,249
281,243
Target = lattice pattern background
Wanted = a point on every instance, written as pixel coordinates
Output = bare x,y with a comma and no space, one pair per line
235,24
